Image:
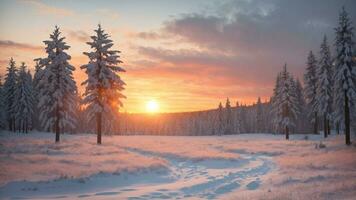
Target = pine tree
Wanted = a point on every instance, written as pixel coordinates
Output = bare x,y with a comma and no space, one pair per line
276,108
237,118
301,121
2,107
345,74
30,83
104,85
289,101
23,100
285,102
259,116
324,86
57,87
220,119
310,89
243,118
228,118
36,87
9,94
270,116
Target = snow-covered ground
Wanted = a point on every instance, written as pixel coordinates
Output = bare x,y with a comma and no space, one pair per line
246,166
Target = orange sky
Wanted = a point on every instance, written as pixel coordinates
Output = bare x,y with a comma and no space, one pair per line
176,86
175,91
185,55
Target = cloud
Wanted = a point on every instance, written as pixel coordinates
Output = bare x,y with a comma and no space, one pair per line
79,35
19,46
201,67
269,27
43,8
148,35
251,39
238,47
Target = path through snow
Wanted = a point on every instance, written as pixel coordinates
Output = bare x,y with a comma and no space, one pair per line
184,178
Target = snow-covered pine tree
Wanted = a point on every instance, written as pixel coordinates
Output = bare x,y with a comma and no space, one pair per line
269,116
2,107
286,111
259,116
9,94
228,117
23,100
310,89
237,118
243,118
289,101
220,119
345,74
301,121
276,108
30,82
36,87
104,85
324,86
57,87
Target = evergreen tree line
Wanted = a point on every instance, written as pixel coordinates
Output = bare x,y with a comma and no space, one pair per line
225,120
17,100
50,101
329,88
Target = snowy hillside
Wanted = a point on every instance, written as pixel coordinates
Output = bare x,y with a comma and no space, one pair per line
246,166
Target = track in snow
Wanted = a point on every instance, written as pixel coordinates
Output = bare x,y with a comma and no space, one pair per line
185,178
206,179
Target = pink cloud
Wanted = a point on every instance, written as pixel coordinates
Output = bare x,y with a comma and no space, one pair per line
19,46
43,8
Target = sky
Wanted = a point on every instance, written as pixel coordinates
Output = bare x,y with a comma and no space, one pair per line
186,55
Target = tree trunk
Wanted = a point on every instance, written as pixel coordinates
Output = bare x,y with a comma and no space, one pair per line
325,127
287,133
57,124
98,127
328,124
316,123
338,128
12,125
347,120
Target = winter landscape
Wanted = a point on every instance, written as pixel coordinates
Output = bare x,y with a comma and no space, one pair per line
232,99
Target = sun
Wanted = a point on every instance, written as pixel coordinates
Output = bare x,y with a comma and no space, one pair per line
152,106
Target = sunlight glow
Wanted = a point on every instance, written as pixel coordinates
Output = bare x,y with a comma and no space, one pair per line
152,106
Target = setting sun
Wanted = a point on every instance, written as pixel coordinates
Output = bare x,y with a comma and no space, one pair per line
152,106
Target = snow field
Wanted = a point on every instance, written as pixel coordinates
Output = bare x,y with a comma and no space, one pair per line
258,166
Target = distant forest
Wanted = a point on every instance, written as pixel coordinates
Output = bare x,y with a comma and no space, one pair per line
236,119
